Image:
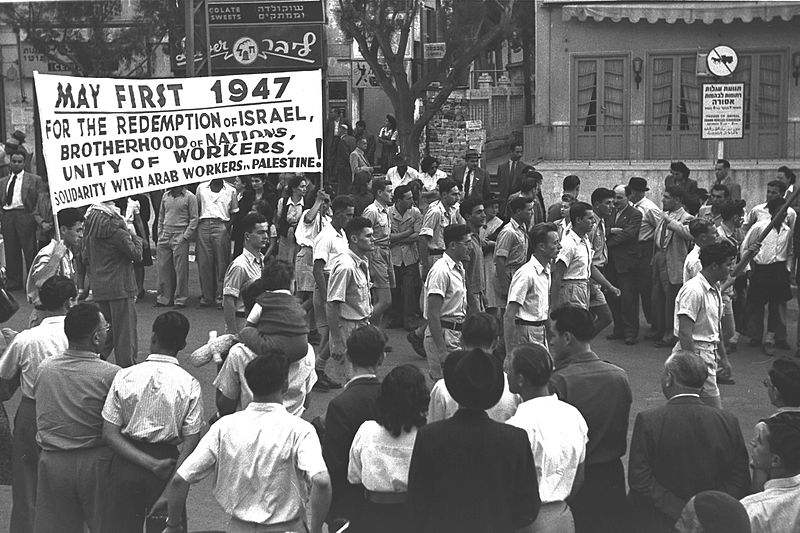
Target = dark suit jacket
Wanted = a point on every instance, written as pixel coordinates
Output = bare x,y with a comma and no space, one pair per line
509,183
471,474
678,450
356,404
692,200
480,186
31,185
623,248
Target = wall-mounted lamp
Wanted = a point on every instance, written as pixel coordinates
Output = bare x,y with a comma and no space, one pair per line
796,67
638,63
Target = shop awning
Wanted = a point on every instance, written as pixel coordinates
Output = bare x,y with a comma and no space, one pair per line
688,12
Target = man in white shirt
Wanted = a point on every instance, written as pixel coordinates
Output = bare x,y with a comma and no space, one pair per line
775,189
401,173
775,451
216,201
651,215
704,233
245,268
557,432
260,476
21,359
528,305
381,270
19,197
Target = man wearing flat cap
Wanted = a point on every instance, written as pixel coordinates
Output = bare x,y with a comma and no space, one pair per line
474,181
469,473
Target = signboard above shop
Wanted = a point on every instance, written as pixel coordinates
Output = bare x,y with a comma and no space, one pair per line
265,11
260,48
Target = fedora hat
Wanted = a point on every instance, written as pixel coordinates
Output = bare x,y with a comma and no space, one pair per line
472,153
473,378
638,184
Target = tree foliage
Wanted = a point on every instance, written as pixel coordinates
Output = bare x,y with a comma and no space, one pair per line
93,38
382,29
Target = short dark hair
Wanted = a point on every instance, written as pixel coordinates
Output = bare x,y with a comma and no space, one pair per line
600,194
571,183
531,173
777,184
356,226
676,193
267,373
454,233
341,203
361,123
528,184
540,231
366,345
717,253
724,162
490,201
533,361
518,204
680,166
380,184
785,376
171,329
775,205
81,321
400,191
784,438
578,210
699,226
575,320
277,275
786,171
294,182
251,220
468,205
445,185
479,331
426,163
403,400
688,369
731,208
723,188
57,291
514,145
69,217
250,292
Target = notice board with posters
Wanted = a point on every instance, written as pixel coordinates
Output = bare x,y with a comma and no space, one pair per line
109,138
722,110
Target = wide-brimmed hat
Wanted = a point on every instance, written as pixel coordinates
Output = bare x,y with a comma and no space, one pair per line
473,378
638,184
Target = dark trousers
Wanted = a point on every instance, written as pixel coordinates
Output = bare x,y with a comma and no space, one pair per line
769,285
405,295
71,490
625,308
663,299
213,249
121,316
644,278
19,238
24,465
134,490
601,506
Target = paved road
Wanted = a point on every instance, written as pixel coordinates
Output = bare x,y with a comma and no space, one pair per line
747,399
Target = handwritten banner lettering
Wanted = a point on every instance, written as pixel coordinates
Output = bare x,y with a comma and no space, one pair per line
110,138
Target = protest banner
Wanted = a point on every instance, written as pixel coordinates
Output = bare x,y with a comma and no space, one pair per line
110,138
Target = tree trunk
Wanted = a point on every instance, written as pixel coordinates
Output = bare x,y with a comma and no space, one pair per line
404,110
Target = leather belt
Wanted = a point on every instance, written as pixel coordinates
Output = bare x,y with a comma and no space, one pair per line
521,322
455,326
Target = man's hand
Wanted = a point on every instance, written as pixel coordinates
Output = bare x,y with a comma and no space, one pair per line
725,369
753,249
337,347
613,290
614,231
163,468
60,249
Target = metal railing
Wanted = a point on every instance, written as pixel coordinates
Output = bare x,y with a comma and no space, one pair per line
564,142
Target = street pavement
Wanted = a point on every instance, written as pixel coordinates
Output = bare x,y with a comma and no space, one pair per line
747,399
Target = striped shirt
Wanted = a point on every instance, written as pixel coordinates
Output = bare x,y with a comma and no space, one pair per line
155,401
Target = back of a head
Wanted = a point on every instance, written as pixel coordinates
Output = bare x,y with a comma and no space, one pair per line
784,439
267,373
251,220
454,233
534,362
365,346
713,511
528,184
69,217
171,329
81,321
403,400
687,370
680,166
356,226
480,331
277,275
600,194
717,253
699,226
341,203
575,320
571,182
676,193
250,292
731,208
56,292
785,377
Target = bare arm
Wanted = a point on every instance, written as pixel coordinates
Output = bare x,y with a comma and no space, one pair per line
502,273
177,491
229,310
112,435
601,279
555,282
435,302
509,327
320,501
685,327
333,310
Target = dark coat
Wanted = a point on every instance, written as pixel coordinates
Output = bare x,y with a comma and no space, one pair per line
480,187
471,474
509,183
623,248
31,185
678,450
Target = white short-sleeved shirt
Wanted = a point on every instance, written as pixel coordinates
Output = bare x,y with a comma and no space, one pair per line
435,220
378,214
651,216
394,176
447,279
263,459
328,244
692,265
558,435
776,245
304,233
217,204
530,288
29,348
442,405
379,460
576,253
349,285
701,302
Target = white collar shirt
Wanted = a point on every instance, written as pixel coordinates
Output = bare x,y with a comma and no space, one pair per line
760,213
35,282
16,198
775,247
379,460
558,435
530,288
245,268
651,215
436,218
701,302
692,265
442,405
576,253
29,348
777,508
378,214
446,278
349,285
397,180
155,401
217,204
430,183
512,243
328,244
263,459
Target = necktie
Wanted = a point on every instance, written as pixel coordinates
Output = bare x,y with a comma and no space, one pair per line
10,191
467,183
662,235
513,168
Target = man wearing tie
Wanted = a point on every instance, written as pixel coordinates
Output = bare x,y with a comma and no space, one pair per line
474,181
19,196
509,174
